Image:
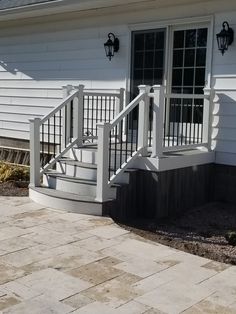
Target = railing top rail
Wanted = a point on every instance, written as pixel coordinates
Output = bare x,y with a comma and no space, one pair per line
61,106
187,96
127,110
101,94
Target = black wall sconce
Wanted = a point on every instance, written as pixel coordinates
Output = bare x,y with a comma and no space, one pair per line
111,46
225,37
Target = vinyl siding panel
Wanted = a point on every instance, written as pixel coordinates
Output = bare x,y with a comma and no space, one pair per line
37,59
34,67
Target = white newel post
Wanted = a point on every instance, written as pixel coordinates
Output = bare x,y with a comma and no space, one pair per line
158,120
207,117
66,113
102,161
35,152
143,119
78,104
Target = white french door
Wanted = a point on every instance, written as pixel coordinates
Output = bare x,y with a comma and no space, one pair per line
176,56
187,77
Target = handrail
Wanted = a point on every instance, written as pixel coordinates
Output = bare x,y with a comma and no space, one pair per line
101,94
55,110
186,96
127,110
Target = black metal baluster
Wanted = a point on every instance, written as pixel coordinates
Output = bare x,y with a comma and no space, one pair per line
194,120
101,108
92,118
110,161
115,156
201,116
121,142
109,116
132,130
105,109
54,135
136,139
42,162
126,140
186,123
48,140
191,122
177,122
174,121
182,120
169,119
96,115
88,102
60,132
83,126
165,118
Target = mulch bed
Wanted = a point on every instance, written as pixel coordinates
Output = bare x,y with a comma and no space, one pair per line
200,231
13,188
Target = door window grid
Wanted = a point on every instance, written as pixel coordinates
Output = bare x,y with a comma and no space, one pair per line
188,77
189,61
148,59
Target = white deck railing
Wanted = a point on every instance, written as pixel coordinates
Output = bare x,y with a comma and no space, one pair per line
68,125
180,121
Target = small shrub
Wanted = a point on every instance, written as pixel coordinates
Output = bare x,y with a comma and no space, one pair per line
13,173
231,237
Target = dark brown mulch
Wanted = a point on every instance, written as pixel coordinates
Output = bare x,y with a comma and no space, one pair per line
13,188
200,231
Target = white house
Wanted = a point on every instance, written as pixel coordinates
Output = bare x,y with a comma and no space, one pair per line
150,160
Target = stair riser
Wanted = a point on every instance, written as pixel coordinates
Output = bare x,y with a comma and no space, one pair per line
70,186
74,187
77,171
69,205
90,156
83,155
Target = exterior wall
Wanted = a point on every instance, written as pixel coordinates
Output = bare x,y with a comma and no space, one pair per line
38,56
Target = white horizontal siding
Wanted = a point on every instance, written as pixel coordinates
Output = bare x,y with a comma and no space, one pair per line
224,83
34,67
37,60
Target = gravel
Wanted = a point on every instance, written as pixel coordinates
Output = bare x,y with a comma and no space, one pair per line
13,188
200,231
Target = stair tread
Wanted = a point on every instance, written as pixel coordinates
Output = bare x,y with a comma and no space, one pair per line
65,195
70,178
77,163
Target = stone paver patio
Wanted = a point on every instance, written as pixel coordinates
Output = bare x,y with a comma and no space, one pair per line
57,262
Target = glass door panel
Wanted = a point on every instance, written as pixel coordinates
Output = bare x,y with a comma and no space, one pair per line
184,111
147,67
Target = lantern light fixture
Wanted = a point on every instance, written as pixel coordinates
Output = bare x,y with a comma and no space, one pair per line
111,46
225,37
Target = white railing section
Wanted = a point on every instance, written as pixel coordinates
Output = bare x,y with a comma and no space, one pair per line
67,125
117,145
180,121
176,126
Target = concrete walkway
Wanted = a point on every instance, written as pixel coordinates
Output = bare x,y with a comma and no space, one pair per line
58,262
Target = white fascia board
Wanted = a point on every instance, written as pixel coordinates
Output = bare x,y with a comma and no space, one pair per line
66,6
60,6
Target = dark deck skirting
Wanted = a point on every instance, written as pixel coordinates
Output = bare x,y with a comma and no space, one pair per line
156,195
